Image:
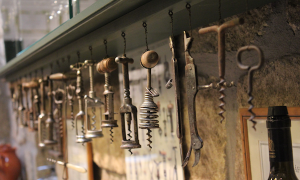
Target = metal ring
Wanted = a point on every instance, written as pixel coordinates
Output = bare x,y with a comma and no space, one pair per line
170,12
248,48
144,24
188,6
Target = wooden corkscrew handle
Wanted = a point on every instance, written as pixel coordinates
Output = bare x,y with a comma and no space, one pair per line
149,59
107,65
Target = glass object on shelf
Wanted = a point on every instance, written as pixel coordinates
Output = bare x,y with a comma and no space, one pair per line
28,21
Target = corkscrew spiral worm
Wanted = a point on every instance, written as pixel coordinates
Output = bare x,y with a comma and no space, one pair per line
250,70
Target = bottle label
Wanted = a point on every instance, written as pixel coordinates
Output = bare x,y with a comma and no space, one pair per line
280,145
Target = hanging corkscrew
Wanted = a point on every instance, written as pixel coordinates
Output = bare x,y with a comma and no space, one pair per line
91,101
106,66
80,138
128,112
42,117
50,122
250,70
26,107
148,110
21,108
33,85
220,29
71,91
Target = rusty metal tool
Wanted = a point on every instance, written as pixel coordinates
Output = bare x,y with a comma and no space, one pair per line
91,101
128,112
191,91
106,66
80,138
42,117
175,82
220,29
50,122
250,70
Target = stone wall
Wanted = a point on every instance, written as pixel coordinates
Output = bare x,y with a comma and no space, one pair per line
275,29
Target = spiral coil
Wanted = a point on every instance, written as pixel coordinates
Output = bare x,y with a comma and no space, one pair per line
111,135
93,124
148,113
221,98
72,113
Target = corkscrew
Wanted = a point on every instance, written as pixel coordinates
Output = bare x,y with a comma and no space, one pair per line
128,112
148,110
220,29
26,107
106,66
250,70
91,101
58,95
34,109
50,122
80,138
21,107
42,117
191,86
71,91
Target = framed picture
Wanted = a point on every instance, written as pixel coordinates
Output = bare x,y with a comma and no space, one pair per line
255,143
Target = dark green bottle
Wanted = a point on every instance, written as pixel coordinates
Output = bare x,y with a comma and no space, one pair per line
280,144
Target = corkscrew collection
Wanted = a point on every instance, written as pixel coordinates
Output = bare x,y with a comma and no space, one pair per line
51,126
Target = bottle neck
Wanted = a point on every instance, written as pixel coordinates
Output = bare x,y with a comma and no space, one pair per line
280,150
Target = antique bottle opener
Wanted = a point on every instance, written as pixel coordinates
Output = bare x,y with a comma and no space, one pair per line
148,110
106,66
34,109
91,101
21,108
80,138
42,117
50,122
191,91
221,55
128,111
250,70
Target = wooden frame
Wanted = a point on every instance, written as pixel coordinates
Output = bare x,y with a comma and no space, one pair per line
294,112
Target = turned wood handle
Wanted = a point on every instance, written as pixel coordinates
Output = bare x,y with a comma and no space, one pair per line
63,76
107,65
149,59
31,84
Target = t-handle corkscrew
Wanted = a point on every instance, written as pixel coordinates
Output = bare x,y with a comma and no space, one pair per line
191,86
250,70
220,29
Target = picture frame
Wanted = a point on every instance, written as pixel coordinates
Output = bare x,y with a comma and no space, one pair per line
255,142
